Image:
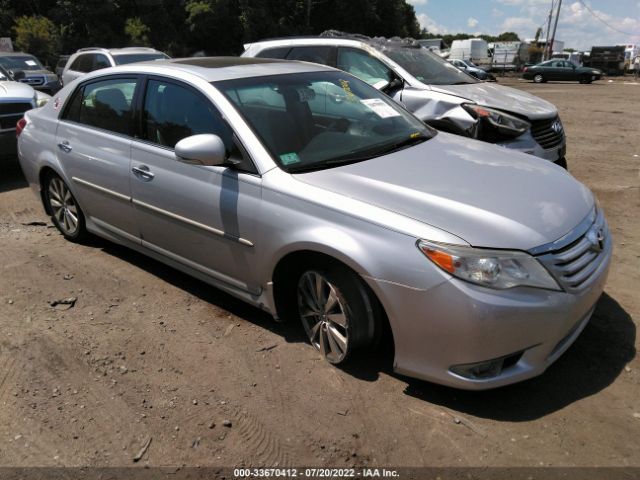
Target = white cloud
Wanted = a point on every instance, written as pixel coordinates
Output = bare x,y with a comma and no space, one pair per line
519,24
472,22
496,13
431,25
417,2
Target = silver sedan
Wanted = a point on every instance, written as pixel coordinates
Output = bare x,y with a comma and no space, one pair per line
306,192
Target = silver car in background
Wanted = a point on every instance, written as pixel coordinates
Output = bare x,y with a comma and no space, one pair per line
308,193
438,93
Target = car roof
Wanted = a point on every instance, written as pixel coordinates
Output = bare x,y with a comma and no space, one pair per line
118,51
334,37
15,54
214,69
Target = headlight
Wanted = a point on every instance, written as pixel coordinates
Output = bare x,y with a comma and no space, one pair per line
503,122
500,269
40,99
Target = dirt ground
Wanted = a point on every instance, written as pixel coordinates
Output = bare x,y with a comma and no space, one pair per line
149,353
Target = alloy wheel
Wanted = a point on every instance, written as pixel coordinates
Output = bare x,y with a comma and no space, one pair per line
63,207
324,316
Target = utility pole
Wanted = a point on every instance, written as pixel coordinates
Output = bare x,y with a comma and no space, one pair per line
546,41
555,25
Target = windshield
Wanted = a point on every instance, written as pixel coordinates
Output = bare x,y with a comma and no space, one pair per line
137,57
312,121
469,63
427,67
21,62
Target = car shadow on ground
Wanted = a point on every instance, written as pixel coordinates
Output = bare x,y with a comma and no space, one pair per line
205,292
11,177
593,362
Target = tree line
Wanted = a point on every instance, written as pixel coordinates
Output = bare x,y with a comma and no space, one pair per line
48,28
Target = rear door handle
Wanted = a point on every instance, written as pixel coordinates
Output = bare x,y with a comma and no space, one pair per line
143,173
65,147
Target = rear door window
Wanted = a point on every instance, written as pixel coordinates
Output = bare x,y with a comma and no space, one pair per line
277,52
316,54
106,104
364,66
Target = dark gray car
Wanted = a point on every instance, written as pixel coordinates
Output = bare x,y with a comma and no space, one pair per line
27,69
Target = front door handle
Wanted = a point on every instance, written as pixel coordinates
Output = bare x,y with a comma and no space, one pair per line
143,173
65,147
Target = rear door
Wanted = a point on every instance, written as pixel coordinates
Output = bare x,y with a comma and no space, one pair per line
203,217
94,148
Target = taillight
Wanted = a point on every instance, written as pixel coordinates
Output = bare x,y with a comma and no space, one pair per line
20,126
526,69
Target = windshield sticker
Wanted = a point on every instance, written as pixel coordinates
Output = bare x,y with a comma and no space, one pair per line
31,63
289,158
347,89
379,107
415,135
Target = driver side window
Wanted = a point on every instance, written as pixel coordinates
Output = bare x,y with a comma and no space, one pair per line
364,66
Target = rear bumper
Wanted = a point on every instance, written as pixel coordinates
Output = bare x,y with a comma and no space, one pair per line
458,323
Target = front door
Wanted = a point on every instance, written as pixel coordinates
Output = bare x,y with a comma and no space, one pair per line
203,217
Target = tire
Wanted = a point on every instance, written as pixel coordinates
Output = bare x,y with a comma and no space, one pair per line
66,214
337,311
539,78
562,162
584,79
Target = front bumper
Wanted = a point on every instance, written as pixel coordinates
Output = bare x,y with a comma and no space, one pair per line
460,323
525,143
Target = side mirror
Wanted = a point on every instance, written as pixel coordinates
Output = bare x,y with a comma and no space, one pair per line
205,149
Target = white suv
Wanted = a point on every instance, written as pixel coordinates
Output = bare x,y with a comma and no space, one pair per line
87,60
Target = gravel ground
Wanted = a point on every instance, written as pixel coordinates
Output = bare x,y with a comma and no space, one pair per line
147,353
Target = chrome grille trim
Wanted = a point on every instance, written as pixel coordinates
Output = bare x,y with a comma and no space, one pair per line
542,131
574,262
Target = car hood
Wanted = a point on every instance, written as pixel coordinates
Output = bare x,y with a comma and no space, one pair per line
501,97
16,90
488,196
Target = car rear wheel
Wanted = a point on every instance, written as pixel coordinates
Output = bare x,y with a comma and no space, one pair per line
65,211
538,78
337,312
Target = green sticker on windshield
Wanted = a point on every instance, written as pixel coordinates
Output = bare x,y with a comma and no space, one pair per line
289,158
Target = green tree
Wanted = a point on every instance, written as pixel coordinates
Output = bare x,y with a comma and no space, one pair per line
136,31
39,36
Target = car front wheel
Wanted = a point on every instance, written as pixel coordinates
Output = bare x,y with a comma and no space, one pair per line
585,79
338,313
65,211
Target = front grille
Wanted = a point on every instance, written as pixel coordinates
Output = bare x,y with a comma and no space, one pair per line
573,265
33,80
6,108
10,113
548,133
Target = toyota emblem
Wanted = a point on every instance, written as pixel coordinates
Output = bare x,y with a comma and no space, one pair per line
595,236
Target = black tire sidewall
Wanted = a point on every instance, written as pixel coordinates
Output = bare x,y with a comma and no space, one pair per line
363,318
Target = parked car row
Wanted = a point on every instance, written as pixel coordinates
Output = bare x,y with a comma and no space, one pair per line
438,93
317,195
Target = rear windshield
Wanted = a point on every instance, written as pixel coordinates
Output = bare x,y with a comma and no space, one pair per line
21,62
123,59
427,67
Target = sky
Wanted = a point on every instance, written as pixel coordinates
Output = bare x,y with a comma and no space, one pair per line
577,26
